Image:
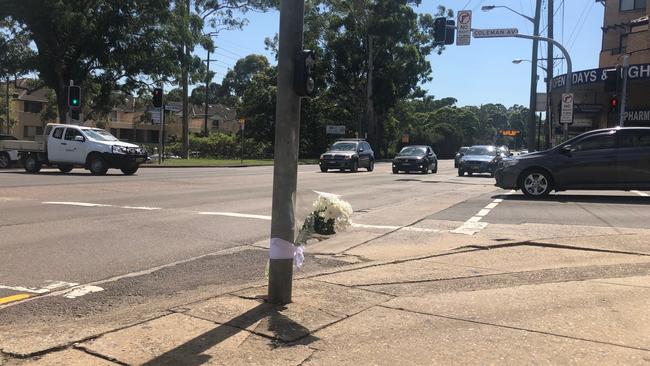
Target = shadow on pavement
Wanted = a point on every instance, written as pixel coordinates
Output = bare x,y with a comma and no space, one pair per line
571,198
74,174
191,352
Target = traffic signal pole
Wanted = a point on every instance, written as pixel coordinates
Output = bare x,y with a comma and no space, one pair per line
285,171
626,65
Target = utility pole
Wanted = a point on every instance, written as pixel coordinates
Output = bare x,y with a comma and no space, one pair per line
185,81
549,75
7,102
370,111
207,91
285,170
533,80
626,66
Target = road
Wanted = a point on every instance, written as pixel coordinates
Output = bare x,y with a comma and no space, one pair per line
167,236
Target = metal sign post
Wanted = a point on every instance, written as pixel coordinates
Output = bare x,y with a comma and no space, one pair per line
464,34
626,66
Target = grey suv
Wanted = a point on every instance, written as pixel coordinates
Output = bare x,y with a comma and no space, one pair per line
608,159
348,154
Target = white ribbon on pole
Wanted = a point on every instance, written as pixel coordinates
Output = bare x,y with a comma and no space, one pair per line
282,249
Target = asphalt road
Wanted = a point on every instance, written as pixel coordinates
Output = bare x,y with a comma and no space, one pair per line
76,228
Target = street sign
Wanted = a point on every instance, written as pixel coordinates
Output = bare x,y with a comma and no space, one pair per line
335,130
405,138
464,34
497,32
510,132
540,105
566,116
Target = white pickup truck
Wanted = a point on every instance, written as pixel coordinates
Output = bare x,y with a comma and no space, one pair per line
67,146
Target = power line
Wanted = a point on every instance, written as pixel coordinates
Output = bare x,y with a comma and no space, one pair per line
468,2
584,21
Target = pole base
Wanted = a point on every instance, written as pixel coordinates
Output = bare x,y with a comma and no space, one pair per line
280,278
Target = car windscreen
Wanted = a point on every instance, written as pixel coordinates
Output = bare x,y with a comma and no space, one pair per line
412,151
479,150
463,150
344,146
99,135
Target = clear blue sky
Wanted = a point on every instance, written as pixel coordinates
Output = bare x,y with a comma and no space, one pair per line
477,74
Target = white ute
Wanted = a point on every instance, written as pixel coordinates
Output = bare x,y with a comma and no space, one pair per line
67,146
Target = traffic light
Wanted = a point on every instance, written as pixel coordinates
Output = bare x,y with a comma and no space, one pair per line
74,96
450,32
158,98
613,80
303,77
75,114
613,104
440,30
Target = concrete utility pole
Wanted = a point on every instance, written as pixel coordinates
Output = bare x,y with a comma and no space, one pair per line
370,110
549,76
533,80
285,171
626,66
207,92
7,103
185,81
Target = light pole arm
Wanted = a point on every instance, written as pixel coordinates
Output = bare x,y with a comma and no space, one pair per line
569,69
518,13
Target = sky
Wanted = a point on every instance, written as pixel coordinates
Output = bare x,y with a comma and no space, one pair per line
477,74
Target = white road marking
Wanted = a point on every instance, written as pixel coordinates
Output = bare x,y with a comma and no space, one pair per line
235,214
82,204
43,290
141,208
474,224
387,227
81,291
641,194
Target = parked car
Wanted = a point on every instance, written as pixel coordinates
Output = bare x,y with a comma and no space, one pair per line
607,159
479,159
419,158
504,151
7,157
348,154
459,155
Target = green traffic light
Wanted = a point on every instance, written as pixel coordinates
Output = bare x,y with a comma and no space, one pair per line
75,102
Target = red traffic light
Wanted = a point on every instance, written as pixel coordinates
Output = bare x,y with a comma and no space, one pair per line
613,103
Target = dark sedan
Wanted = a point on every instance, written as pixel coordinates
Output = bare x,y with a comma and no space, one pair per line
459,155
418,158
479,159
608,159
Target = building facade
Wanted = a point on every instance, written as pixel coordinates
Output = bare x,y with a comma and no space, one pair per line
624,32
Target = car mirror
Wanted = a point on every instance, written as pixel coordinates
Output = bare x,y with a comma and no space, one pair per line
79,138
360,149
430,154
567,149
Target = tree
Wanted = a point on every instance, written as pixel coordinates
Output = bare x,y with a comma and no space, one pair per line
238,79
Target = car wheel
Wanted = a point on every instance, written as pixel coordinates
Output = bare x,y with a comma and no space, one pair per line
97,165
65,168
355,166
536,183
435,167
425,170
470,174
371,165
323,169
32,164
460,172
395,171
5,161
130,170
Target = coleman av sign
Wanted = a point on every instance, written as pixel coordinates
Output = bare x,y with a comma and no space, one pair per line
497,32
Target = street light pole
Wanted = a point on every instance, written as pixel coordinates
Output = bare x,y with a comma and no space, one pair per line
626,66
285,169
533,80
549,74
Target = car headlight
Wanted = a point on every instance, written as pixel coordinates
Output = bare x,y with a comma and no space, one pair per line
509,163
348,157
119,149
322,156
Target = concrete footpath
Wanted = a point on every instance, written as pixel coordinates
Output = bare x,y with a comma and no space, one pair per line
412,298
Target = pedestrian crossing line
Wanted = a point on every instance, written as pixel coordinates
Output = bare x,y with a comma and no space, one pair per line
13,298
474,225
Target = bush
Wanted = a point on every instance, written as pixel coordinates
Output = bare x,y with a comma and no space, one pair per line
223,146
